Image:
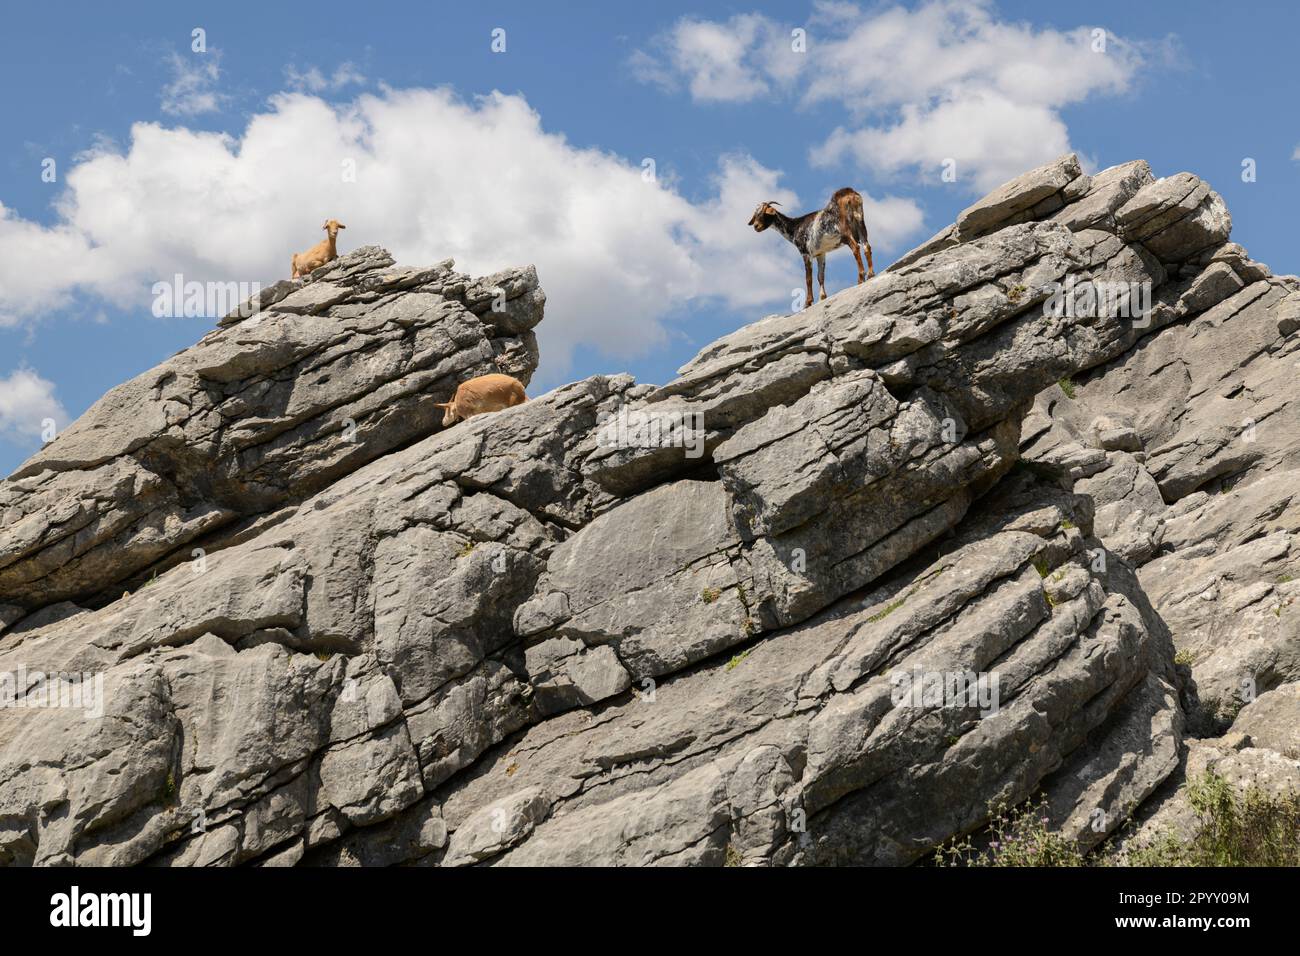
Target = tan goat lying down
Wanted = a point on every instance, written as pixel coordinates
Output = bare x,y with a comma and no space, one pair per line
487,393
324,251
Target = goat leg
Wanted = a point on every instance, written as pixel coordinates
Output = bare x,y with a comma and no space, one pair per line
857,256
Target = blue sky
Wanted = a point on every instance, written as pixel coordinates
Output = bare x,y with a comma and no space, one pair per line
640,274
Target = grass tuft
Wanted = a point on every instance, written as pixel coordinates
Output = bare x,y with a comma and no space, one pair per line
169,788
889,609
737,660
1233,828
1254,828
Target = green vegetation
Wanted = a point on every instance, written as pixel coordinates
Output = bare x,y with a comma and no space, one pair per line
1049,577
1067,524
893,606
736,661
465,549
1185,656
709,595
1068,387
1017,837
732,856
889,609
1016,293
1233,829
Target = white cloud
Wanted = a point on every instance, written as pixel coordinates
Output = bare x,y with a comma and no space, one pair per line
972,128
893,222
482,182
193,88
947,79
26,402
725,62
312,80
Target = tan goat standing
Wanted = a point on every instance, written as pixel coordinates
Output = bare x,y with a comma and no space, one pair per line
486,393
324,251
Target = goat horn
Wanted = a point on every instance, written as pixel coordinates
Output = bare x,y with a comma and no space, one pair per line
774,204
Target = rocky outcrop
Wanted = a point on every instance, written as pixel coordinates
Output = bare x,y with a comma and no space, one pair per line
328,375
853,575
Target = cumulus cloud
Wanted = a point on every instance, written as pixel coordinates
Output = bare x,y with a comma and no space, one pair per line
619,251
731,61
946,80
973,130
892,221
193,87
27,401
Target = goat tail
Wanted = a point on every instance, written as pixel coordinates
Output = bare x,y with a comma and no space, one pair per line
858,219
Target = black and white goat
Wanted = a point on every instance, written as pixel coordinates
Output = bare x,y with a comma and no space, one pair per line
814,234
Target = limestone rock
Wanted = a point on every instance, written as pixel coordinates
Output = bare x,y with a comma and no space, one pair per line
335,372
1021,194
947,538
